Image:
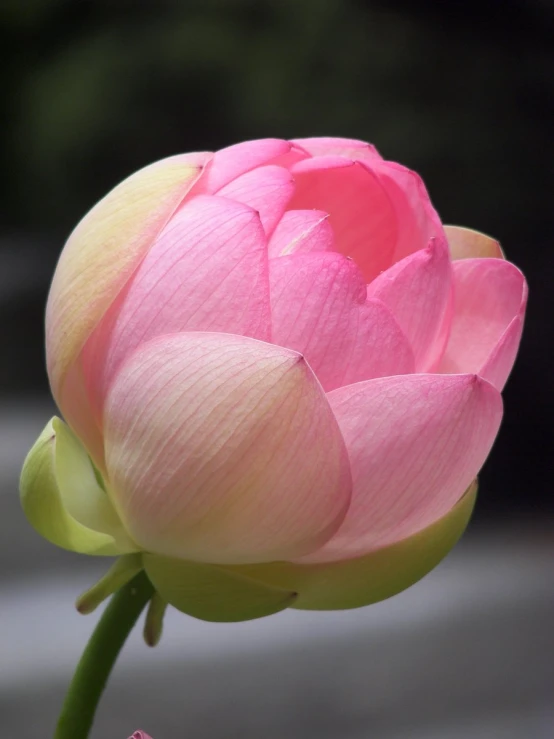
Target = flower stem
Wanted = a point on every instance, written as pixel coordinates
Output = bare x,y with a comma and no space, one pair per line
99,658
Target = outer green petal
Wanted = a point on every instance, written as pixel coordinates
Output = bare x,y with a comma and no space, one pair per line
374,577
213,593
120,573
153,623
63,500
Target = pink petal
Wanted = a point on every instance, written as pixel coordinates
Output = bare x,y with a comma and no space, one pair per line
296,154
207,271
351,148
361,213
234,161
490,297
301,231
418,221
465,242
224,449
499,364
415,443
319,308
265,189
105,248
352,583
418,292
97,261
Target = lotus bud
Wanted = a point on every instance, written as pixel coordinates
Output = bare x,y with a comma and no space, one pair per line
280,375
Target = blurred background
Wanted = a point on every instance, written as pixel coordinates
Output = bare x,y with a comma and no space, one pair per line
462,92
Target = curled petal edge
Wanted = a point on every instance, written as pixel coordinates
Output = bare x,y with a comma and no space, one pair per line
63,500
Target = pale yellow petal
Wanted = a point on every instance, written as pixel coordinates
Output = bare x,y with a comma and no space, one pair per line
104,250
63,500
466,243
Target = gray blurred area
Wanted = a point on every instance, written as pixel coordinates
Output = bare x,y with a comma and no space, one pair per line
463,92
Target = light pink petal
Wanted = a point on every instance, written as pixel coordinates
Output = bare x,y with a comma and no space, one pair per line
234,161
499,364
319,308
301,231
296,154
351,148
99,257
418,221
490,296
361,213
466,243
224,449
265,189
103,251
415,444
207,271
323,163
418,291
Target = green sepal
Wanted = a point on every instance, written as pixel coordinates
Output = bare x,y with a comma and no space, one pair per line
213,593
372,578
63,500
119,574
153,623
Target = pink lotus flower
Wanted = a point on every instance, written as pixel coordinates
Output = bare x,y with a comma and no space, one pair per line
286,371
140,735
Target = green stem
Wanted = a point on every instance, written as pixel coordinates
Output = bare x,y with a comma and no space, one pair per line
99,658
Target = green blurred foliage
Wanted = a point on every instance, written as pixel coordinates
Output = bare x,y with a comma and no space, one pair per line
93,90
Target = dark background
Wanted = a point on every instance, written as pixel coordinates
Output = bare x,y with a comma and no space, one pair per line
462,92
